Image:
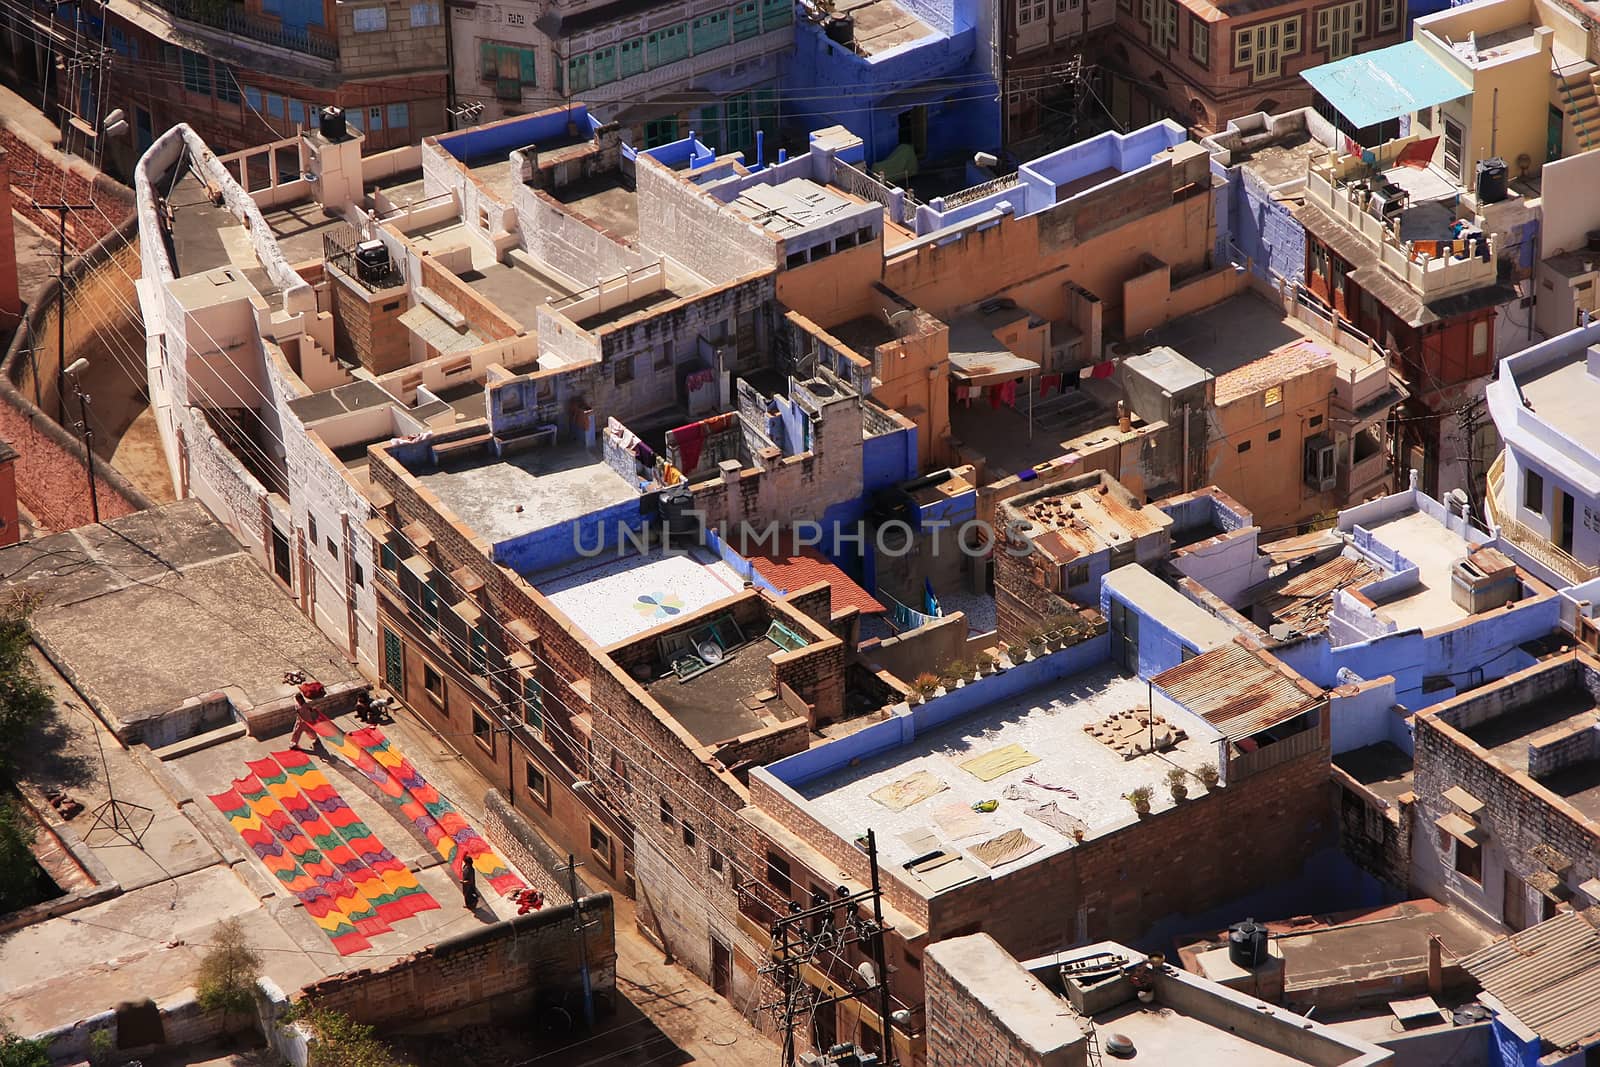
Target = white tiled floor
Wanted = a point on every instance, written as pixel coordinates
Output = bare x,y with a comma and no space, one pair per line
611,599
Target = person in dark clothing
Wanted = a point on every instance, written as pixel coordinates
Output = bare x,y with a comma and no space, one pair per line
365,712
469,884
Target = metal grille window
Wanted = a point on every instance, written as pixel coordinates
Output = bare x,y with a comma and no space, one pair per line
394,663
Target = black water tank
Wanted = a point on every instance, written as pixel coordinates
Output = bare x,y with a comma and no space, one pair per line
1247,944
1491,181
332,120
841,29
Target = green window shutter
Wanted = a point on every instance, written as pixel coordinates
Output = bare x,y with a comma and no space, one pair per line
488,56
525,66
394,664
533,704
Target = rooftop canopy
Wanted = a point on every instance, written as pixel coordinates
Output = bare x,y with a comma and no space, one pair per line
1377,86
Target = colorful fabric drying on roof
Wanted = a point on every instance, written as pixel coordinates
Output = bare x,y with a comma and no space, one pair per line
372,753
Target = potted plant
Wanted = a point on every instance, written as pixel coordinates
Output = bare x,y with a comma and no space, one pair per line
1178,783
1140,799
956,672
925,685
1208,776
1036,643
987,662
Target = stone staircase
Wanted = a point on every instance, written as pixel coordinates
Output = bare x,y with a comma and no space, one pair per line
1579,90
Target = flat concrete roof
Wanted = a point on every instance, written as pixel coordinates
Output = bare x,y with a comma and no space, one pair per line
605,201
1048,723
1364,950
1566,396
1435,549
1163,1035
792,207
1283,161
550,486
515,290
882,25
715,704
1176,611
1384,768
1508,735
154,608
1239,331
612,599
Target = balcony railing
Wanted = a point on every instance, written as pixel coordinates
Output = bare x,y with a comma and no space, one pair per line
1430,276
1529,541
231,18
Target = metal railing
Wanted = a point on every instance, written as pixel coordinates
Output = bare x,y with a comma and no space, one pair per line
339,250
982,189
1530,541
858,182
232,18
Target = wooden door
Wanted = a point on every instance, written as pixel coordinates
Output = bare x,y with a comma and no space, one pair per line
1514,908
721,968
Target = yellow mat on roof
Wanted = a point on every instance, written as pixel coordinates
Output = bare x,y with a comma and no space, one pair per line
1003,760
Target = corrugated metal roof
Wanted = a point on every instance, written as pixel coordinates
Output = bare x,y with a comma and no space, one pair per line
1306,599
1548,976
1238,690
1290,549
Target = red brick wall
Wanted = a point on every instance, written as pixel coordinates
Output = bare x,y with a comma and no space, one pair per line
516,963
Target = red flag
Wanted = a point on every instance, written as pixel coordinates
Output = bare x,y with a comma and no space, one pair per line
1351,148
1417,154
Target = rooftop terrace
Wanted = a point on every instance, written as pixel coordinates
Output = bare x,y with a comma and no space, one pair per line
919,796
1517,735
502,499
1435,549
611,599
1244,329
1566,394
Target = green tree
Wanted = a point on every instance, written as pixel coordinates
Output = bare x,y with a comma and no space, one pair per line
228,972
24,700
22,1051
19,874
340,1040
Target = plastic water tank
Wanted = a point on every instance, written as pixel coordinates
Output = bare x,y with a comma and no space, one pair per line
1491,180
841,29
1247,944
332,123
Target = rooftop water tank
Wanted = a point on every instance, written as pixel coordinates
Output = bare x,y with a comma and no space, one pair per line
1247,944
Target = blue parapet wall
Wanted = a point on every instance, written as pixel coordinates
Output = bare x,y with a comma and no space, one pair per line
598,534
903,727
499,138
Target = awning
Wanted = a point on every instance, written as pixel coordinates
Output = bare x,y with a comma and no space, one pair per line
1463,830
976,358
1374,87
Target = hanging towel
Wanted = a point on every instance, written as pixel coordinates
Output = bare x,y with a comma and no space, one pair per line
994,396
1103,370
670,475
1049,384
690,440
1008,394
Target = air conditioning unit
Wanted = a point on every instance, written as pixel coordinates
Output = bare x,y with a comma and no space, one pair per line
1320,471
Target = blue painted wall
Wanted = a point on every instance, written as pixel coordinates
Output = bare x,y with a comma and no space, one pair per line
556,546
1263,229
741,566
903,728
826,84
1042,178
499,138
1160,647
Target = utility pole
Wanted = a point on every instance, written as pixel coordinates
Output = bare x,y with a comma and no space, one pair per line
61,303
579,927
76,370
812,936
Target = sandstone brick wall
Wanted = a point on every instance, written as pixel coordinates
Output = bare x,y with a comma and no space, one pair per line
1375,834
511,965
983,1009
